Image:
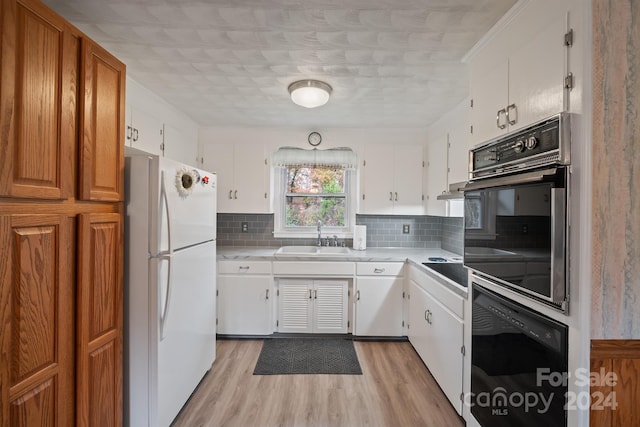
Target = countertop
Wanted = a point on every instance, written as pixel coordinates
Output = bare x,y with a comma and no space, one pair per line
415,256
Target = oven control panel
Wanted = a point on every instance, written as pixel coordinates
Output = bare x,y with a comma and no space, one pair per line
542,144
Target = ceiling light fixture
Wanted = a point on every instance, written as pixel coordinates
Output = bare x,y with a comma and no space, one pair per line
309,93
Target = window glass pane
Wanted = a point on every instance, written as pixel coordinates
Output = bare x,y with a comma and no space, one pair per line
305,211
314,180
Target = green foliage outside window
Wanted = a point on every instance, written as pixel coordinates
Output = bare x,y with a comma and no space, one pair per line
315,193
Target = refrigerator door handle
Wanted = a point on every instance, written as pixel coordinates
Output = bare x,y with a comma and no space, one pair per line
165,201
164,311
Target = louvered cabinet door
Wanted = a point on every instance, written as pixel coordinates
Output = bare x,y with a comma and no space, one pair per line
99,320
102,79
38,91
36,320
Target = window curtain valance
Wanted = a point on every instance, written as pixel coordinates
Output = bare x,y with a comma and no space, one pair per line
333,157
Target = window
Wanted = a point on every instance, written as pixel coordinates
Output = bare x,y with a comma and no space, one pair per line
311,186
315,193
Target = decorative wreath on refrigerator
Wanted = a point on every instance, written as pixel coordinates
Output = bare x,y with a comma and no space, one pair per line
186,179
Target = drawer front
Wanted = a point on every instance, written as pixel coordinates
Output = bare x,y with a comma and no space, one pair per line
244,267
379,268
431,284
313,268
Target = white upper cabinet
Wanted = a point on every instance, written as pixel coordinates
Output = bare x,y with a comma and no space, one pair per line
391,180
180,143
156,127
518,78
242,172
436,176
143,131
446,158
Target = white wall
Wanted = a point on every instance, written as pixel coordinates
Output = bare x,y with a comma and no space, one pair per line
274,138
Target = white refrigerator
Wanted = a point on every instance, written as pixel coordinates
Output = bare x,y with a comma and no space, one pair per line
170,286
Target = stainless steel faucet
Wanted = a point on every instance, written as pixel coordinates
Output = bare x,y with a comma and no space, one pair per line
319,243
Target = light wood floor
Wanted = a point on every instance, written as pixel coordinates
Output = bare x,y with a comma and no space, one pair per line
396,389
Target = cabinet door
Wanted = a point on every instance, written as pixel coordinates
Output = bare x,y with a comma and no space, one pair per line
250,179
445,350
102,122
36,321
379,306
377,179
537,87
436,153
295,306
330,306
244,305
458,156
418,328
39,57
179,145
489,87
146,132
218,158
99,320
407,180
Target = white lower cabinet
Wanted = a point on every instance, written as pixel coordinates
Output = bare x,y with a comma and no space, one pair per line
436,332
378,302
312,306
245,304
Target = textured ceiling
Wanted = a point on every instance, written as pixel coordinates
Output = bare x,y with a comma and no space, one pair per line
391,63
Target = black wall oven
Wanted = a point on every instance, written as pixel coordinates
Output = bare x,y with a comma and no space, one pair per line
519,362
516,222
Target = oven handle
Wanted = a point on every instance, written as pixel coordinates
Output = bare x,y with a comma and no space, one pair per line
558,245
521,178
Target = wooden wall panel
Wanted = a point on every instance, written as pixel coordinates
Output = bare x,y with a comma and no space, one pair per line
102,139
36,340
621,357
100,317
37,102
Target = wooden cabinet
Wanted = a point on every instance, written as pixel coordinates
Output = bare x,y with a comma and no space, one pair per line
392,180
39,57
436,326
243,176
515,88
245,298
378,299
99,319
36,314
101,172
61,123
312,306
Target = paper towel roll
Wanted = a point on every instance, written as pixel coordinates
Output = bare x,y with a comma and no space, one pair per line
360,237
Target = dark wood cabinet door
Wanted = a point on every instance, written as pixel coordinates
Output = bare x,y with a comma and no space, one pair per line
102,122
99,320
36,320
38,108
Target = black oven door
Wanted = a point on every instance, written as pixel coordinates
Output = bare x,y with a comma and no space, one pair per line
519,361
516,232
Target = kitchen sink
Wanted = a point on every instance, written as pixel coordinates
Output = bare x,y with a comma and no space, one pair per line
314,251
